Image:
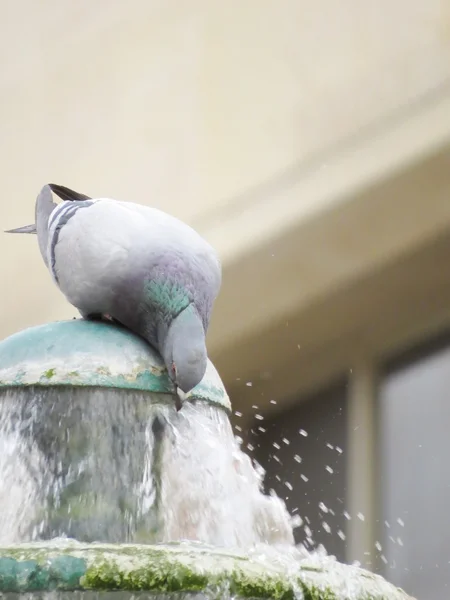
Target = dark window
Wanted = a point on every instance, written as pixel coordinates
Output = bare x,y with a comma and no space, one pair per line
313,465
414,450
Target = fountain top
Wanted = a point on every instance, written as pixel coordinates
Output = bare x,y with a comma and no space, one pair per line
82,353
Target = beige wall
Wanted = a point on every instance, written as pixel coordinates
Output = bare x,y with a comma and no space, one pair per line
244,118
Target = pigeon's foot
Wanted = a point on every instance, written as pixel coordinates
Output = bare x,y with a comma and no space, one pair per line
91,316
109,318
98,317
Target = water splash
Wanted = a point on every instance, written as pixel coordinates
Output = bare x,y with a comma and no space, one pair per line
115,466
210,491
118,466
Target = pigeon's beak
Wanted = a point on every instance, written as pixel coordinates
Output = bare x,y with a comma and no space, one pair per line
25,229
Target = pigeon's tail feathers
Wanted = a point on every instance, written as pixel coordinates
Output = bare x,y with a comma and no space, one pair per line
66,193
44,208
25,229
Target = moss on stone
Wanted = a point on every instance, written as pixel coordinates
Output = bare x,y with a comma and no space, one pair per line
153,575
313,593
49,373
176,567
73,374
261,587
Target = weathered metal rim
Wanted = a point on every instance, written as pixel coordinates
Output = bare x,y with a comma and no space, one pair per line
70,565
83,353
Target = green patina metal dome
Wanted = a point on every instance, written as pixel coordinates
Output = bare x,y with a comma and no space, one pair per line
93,354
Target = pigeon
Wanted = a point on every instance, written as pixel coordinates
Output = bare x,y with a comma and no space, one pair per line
136,265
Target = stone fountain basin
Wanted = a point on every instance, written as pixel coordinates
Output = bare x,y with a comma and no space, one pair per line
183,570
78,357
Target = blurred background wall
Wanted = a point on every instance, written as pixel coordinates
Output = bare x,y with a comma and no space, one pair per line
309,141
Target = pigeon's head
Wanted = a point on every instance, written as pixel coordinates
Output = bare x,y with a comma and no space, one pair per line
184,350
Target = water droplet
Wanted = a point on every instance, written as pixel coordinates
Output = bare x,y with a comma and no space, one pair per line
249,384
237,413
275,445
296,521
273,402
361,517
322,507
338,449
400,522
329,469
286,441
297,458
304,477
303,433
259,417
341,534
288,485
378,546
331,447
347,516
326,527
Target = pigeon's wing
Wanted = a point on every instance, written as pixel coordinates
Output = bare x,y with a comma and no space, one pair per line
66,193
89,251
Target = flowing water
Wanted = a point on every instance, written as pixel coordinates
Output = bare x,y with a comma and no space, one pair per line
112,466
123,467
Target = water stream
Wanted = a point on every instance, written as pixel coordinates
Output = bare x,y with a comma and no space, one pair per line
120,467
107,466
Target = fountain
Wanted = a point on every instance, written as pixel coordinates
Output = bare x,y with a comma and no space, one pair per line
106,489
